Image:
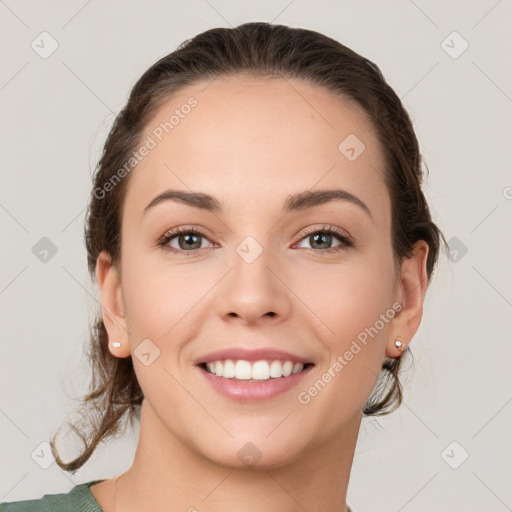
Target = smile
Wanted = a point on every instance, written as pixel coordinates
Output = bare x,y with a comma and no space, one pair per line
252,381
253,371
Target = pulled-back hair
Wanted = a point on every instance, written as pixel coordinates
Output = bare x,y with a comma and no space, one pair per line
262,50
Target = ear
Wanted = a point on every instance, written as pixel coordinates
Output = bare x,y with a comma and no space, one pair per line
413,286
112,302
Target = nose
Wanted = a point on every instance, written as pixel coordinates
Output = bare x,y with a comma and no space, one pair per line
255,290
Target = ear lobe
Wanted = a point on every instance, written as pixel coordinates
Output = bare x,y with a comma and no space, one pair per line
113,309
413,285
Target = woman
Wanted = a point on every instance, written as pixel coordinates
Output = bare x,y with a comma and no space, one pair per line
262,247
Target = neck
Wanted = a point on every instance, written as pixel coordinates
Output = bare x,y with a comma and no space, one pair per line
166,475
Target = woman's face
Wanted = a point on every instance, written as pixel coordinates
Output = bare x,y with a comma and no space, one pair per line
262,274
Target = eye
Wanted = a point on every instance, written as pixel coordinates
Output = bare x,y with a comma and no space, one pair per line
188,240
324,237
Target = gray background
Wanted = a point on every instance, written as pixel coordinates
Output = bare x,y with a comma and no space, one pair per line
56,113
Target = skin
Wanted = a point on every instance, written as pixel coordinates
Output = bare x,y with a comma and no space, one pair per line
251,142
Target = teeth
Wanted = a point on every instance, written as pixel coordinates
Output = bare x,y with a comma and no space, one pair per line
298,367
260,370
257,370
228,370
242,370
287,368
276,369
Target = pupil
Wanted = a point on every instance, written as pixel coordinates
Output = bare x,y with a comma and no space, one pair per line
323,236
189,238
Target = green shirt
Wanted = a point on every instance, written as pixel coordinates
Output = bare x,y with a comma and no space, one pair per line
79,499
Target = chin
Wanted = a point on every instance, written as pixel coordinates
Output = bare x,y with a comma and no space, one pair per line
258,455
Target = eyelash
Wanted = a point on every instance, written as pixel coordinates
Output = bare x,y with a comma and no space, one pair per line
330,230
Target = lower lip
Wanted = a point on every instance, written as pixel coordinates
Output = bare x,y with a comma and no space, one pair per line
245,391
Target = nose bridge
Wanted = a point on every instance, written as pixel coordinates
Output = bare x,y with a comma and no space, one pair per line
252,289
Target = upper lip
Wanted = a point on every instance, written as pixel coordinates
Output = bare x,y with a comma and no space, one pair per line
236,353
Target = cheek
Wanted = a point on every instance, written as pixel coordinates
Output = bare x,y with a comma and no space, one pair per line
351,298
355,306
352,307
163,299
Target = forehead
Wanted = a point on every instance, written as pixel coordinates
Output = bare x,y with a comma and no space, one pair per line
252,141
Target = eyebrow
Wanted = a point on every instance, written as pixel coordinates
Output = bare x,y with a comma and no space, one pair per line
296,202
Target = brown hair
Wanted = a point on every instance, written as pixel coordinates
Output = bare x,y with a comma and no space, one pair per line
264,50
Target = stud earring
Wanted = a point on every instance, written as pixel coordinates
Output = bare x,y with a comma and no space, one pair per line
116,344
399,345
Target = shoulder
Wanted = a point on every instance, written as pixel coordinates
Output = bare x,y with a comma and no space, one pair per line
80,498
